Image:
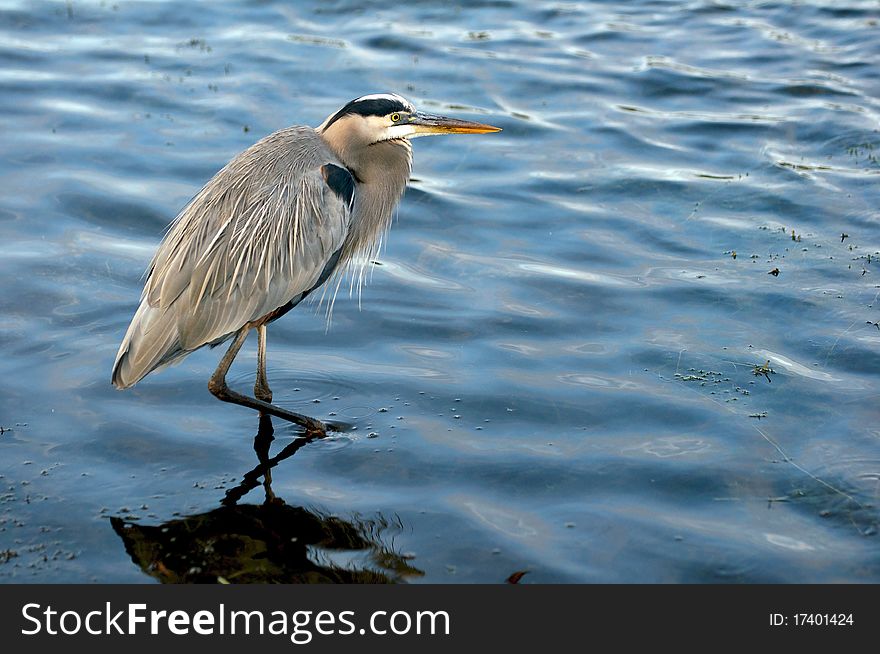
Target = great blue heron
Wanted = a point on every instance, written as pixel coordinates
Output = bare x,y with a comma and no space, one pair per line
295,209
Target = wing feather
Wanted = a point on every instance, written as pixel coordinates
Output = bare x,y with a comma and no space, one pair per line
259,234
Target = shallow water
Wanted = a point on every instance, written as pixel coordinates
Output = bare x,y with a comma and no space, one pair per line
572,360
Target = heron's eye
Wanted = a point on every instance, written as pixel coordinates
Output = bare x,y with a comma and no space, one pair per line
395,118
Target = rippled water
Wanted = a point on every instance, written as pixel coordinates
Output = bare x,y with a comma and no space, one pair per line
573,359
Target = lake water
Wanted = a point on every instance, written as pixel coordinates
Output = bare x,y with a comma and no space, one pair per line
632,338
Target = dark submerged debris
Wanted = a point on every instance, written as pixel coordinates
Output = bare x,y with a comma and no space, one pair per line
516,576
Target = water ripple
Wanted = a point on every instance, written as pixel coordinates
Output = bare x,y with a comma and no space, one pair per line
641,312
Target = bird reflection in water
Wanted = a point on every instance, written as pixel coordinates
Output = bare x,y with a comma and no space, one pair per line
271,542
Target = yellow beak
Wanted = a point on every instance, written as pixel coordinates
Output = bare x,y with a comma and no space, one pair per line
424,124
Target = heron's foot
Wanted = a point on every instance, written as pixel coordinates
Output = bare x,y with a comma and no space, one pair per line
314,428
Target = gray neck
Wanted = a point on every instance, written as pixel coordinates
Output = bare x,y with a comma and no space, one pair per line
381,171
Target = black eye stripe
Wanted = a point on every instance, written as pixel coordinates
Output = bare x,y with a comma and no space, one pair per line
371,107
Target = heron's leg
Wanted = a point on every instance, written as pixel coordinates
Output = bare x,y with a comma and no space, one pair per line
217,386
261,386
262,441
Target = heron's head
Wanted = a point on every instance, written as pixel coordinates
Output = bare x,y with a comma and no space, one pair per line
387,117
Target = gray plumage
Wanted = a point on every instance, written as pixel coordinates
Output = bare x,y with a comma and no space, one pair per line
295,209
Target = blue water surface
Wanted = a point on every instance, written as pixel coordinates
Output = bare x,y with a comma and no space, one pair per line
633,337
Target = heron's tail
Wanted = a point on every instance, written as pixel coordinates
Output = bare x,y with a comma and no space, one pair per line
151,343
